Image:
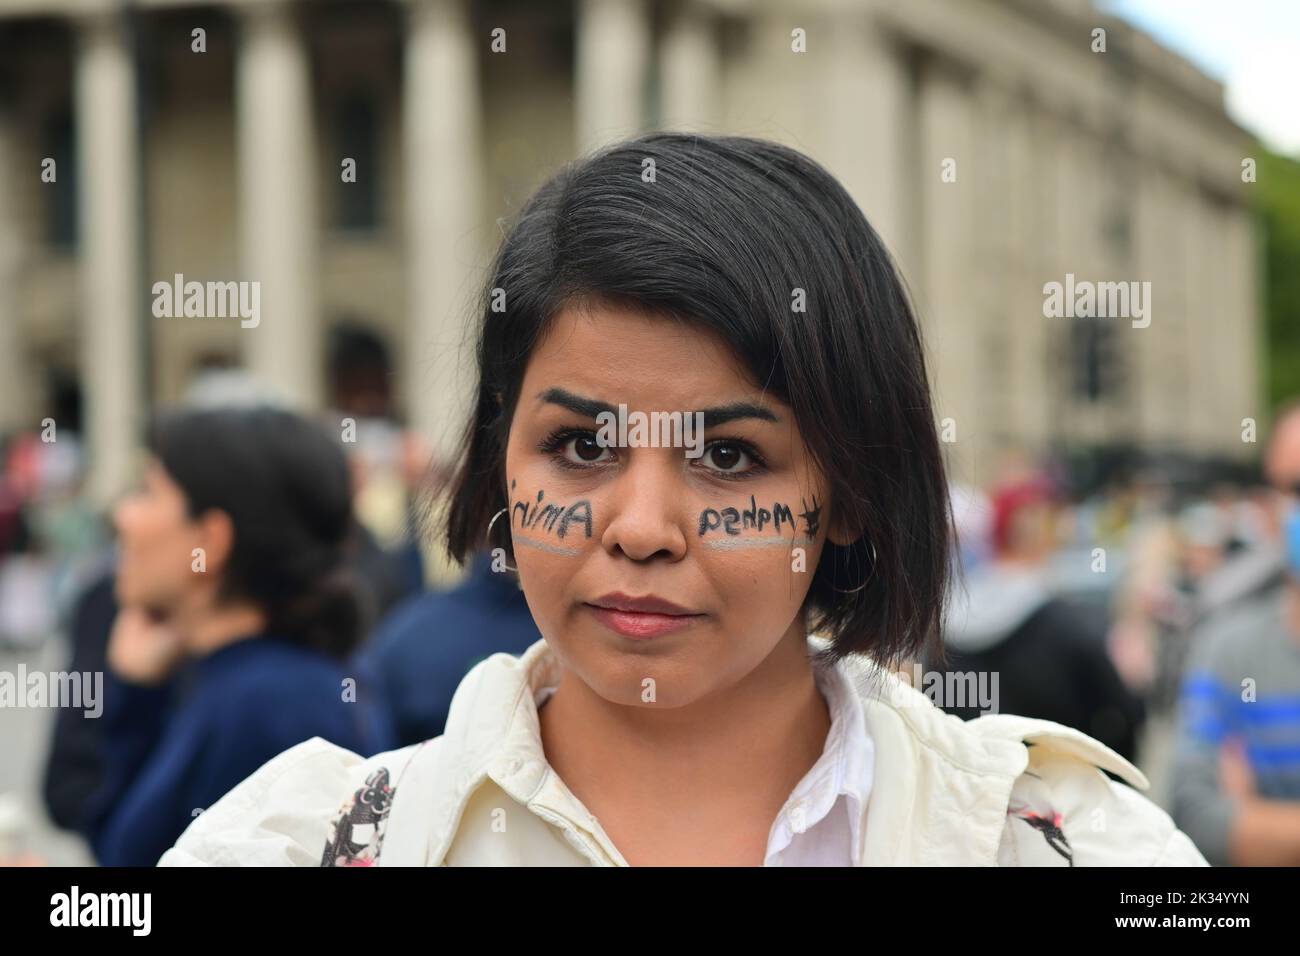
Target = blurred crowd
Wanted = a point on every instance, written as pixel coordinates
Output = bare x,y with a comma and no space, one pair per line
265,583
1157,610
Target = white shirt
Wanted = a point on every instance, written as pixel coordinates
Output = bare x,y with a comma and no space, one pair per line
819,823
818,826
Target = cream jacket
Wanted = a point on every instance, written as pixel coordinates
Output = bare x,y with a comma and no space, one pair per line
996,791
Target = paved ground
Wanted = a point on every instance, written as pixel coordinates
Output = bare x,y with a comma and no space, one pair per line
24,741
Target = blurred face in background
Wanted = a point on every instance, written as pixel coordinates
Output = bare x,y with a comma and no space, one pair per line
1033,531
157,540
1024,522
739,597
1282,466
1282,463
1203,536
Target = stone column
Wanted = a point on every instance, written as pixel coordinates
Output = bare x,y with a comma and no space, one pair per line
279,226
949,313
108,169
612,56
444,254
689,71
17,401
869,129
1027,337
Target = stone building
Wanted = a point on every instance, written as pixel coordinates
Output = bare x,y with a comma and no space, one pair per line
995,145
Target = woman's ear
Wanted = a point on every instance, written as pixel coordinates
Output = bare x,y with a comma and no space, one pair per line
217,532
842,530
839,534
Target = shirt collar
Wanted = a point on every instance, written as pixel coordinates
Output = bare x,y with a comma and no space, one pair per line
944,799
844,768
506,741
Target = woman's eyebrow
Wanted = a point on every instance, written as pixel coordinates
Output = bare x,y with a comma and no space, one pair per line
713,417
589,407
721,414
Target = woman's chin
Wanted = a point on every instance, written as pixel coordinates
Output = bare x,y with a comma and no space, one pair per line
629,679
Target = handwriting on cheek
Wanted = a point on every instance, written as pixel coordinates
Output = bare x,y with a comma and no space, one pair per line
549,517
734,521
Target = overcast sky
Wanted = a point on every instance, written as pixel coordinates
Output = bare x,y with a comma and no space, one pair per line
1252,46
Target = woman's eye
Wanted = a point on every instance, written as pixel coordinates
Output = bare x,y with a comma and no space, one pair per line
580,449
585,447
723,456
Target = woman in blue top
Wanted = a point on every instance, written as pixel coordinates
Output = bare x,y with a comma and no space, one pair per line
237,611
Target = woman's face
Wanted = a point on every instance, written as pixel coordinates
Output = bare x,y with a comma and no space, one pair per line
156,538
731,538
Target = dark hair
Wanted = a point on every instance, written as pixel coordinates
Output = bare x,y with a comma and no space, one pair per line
355,349
359,366
287,489
723,235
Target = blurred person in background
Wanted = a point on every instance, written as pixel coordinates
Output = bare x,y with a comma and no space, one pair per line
48,531
427,643
387,463
1251,553
972,516
1050,656
1204,539
73,768
74,764
1201,540
1236,777
1149,604
420,654
236,611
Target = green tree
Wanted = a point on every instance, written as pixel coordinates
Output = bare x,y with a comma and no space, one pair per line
1277,193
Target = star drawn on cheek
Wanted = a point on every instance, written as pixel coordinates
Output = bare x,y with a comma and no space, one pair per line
813,515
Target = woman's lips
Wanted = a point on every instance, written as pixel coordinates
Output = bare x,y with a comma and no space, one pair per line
641,625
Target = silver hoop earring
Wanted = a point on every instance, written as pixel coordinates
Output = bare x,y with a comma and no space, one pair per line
489,532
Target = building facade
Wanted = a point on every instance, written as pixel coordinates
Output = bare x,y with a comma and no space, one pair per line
996,145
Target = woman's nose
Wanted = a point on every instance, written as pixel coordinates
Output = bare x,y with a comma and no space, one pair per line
648,515
123,515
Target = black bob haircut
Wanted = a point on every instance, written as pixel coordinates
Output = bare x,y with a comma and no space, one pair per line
721,238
